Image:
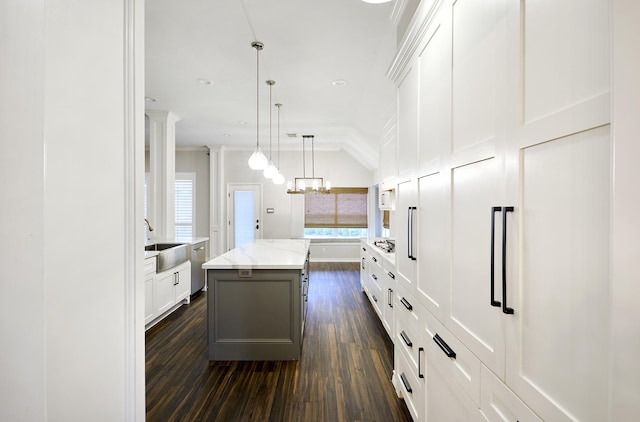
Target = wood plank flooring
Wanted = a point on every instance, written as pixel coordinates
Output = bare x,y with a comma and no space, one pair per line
344,373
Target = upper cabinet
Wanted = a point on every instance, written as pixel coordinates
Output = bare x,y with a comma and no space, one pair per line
389,155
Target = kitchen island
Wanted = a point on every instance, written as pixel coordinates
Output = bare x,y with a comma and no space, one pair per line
256,300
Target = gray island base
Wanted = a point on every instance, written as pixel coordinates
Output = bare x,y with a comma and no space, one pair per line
257,300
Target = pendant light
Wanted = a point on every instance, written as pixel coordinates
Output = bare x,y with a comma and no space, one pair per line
257,161
278,179
270,171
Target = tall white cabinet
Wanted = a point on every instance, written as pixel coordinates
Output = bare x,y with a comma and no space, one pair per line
503,221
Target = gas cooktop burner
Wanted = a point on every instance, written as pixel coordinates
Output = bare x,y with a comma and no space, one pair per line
386,245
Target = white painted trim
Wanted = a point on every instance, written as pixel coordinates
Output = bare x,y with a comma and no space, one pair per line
133,138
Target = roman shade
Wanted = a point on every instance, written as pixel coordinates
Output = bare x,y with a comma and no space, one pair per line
343,207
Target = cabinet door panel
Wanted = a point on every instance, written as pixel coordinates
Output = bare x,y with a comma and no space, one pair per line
408,123
478,46
406,234
183,288
435,91
558,345
149,312
566,54
164,292
432,282
471,317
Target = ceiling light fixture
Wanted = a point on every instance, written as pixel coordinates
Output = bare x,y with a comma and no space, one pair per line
257,161
306,184
270,171
278,179
339,82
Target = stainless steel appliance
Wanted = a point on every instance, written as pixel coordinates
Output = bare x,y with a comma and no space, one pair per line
198,257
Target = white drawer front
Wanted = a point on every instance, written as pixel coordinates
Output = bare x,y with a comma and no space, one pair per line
464,367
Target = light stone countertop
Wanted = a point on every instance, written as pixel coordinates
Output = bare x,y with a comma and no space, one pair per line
262,254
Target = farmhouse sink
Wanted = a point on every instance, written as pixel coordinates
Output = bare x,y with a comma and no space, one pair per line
169,254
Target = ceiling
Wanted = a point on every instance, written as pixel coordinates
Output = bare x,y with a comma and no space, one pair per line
308,44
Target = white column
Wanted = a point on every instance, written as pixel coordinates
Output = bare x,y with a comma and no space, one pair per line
162,174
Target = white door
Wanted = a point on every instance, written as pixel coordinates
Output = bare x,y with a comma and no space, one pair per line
244,217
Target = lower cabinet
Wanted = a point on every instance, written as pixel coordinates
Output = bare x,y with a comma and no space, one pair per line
377,279
149,277
168,289
444,399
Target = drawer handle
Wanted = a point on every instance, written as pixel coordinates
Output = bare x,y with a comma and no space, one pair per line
363,263
392,275
373,276
375,299
364,249
374,259
420,351
406,304
444,346
406,339
407,386
390,298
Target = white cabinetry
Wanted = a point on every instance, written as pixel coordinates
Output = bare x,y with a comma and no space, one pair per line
170,288
406,238
503,219
378,281
149,276
388,156
408,122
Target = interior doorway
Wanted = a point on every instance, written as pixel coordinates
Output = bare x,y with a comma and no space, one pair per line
244,204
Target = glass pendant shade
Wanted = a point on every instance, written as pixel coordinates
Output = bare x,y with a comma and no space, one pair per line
278,179
270,171
258,161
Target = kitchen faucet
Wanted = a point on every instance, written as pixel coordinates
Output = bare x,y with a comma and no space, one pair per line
148,225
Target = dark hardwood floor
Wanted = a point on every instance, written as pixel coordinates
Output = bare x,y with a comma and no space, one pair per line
344,373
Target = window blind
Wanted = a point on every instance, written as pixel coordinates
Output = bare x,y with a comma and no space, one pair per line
343,207
184,207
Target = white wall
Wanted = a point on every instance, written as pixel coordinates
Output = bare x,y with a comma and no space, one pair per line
337,166
67,253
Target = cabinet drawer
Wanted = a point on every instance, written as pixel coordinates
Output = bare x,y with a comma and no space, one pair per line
411,386
409,338
464,368
499,404
150,265
445,399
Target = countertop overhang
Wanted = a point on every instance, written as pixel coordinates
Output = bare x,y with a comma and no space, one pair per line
262,254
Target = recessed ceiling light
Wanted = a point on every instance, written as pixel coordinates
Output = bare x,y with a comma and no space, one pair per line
339,82
376,1
150,99
226,135
203,81
242,122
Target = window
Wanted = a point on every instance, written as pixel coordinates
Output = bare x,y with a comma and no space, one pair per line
185,189
341,213
185,210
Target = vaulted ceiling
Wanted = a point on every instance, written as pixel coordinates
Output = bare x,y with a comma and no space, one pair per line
201,66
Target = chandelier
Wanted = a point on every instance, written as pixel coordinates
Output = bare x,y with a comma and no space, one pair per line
306,184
